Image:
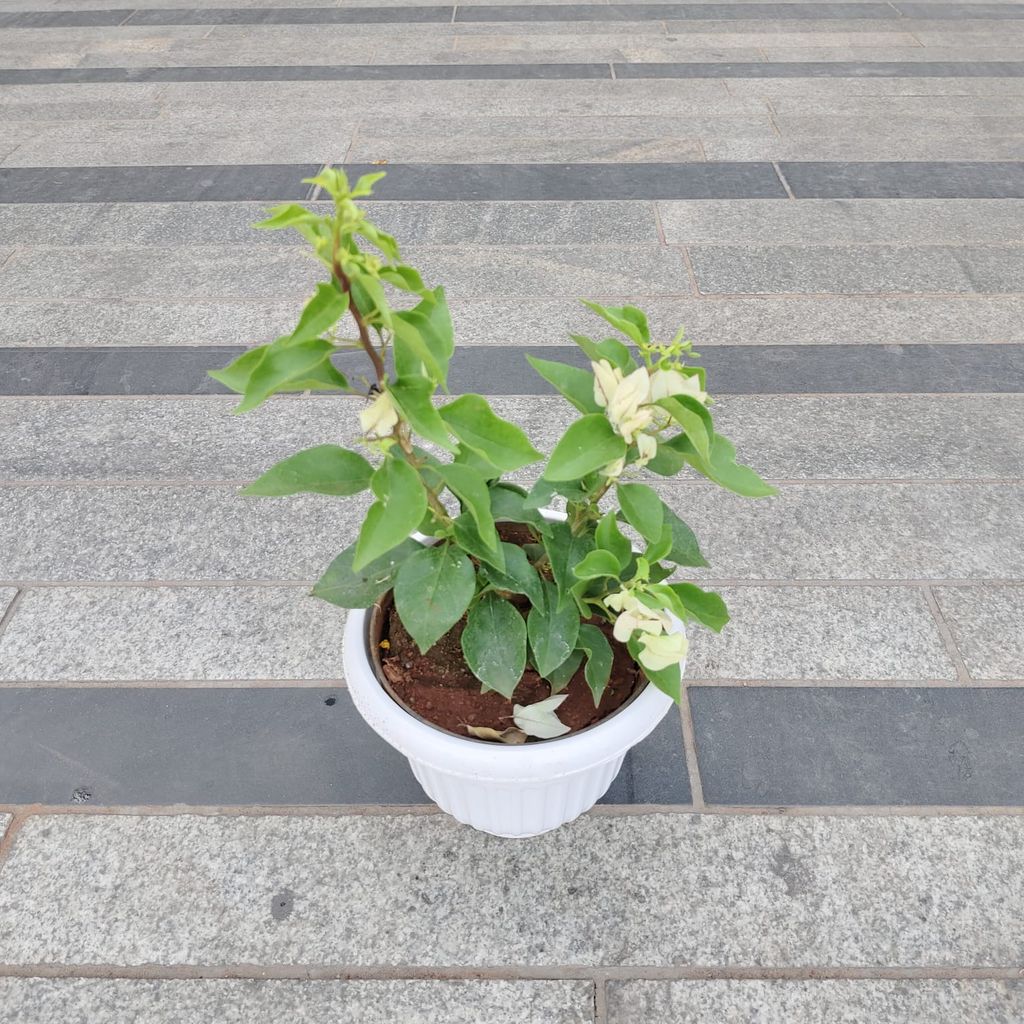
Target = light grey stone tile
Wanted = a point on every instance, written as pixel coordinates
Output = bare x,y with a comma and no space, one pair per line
846,270
773,1002
819,88
855,148
144,633
225,272
834,633
102,1001
435,223
483,148
842,221
985,110
141,323
33,112
986,623
908,126
95,142
169,533
858,531
7,595
187,890
783,54
783,33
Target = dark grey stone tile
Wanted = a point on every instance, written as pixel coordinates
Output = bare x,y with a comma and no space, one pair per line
823,69
237,746
674,12
493,370
905,180
847,745
62,19
264,182
306,73
288,15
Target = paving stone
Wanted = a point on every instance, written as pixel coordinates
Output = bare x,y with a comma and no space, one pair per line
890,746
842,221
209,746
844,269
102,1001
986,626
238,273
910,1002
770,891
270,182
7,595
148,533
877,148
139,633
894,180
690,12
288,16
837,633
798,69
858,532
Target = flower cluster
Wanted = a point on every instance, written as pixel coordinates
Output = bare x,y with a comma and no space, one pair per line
650,627
630,403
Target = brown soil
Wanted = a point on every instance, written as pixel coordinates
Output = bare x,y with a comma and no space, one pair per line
439,686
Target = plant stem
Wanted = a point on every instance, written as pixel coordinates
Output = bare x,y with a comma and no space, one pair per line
364,333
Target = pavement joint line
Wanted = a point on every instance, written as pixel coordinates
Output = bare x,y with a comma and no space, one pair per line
11,833
511,972
690,748
600,1001
778,171
9,611
690,273
948,640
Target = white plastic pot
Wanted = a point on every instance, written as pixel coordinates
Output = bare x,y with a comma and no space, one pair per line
510,791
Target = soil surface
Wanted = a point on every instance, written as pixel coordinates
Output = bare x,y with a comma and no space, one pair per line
439,686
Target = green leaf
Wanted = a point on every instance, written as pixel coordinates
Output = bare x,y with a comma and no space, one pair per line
610,538
401,504
326,469
494,644
570,381
347,587
519,576
596,564
468,538
610,351
297,366
703,605
586,446
433,342
370,299
642,508
433,589
553,629
599,659
322,311
565,551
471,490
658,549
509,504
385,242
560,677
364,186
287,215
413,395
723,468
694,418
628,319
685,550
477,426
237,373
403,277
668,680
332,180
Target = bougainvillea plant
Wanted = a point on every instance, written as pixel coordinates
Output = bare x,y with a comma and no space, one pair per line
436,468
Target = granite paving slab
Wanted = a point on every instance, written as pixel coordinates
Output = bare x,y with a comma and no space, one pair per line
769,891
986,624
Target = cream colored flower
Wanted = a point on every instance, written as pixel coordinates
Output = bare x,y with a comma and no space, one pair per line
614,469
626,410
607,378
634,615
647,445
669,383
659,650
380,418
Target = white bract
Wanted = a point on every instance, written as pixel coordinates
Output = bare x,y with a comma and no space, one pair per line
380,418
659,647
658,651
540,719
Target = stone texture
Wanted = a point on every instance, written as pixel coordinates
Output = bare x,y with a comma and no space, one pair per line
845,270
986,623
153,533
859,531
102,1001
844,222
6,597
127,634
770,891
851,633
776,1002
780,746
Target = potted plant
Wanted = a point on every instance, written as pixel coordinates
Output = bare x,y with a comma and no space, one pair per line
513,653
